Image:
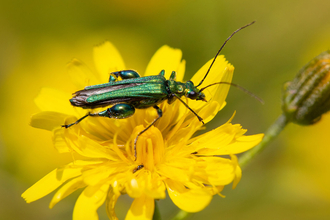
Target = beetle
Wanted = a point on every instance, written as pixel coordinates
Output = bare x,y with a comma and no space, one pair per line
135,92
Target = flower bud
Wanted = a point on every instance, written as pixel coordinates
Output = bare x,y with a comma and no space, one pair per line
307,96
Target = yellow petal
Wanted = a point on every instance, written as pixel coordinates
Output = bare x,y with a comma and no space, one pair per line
187,199
146,183
221,71
156,187
142,208
54,100
81,75
175,121
224,140
110,204
107,59
65,140
59,141
177,168
243,144
239,145
66,190
102,171
47,120
50,182
220,171
216,73
238,176
209,111
89,201
217,190
168,59
214,139
92,149
219,95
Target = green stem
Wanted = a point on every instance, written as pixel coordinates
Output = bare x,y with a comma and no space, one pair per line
270,134
157,215
181,215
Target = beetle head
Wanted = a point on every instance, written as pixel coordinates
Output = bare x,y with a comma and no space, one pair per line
193,93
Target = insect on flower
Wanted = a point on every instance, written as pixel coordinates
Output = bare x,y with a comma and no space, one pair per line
135,92
170,159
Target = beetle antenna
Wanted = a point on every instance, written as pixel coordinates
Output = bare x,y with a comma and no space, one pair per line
221,49
239,87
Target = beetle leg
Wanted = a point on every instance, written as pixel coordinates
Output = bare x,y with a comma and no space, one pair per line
76,122
138,168
199,118
118,111
124,74
160,114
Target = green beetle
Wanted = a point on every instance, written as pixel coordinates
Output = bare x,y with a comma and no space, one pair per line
135,92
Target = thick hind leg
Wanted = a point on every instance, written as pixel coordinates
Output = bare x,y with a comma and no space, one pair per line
124,74
118,111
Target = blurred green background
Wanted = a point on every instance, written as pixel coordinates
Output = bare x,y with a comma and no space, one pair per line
290,180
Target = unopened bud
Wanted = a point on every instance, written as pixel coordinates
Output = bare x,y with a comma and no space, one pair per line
307,97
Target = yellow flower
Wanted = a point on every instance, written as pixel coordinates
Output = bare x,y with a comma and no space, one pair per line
191,169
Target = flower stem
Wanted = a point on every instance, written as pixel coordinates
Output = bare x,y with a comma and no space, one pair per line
270,134
157,215
181,215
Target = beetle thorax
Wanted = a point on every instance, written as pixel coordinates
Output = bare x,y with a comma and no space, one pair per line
185,89
178,88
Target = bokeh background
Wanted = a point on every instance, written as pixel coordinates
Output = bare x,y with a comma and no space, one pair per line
289,180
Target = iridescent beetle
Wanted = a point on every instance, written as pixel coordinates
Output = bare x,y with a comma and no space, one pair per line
135,92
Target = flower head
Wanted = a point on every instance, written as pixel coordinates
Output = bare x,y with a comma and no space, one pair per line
191,169
306,97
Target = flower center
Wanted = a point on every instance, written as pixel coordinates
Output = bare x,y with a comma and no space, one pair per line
149,147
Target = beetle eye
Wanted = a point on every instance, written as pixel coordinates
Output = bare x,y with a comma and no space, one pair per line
192,95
